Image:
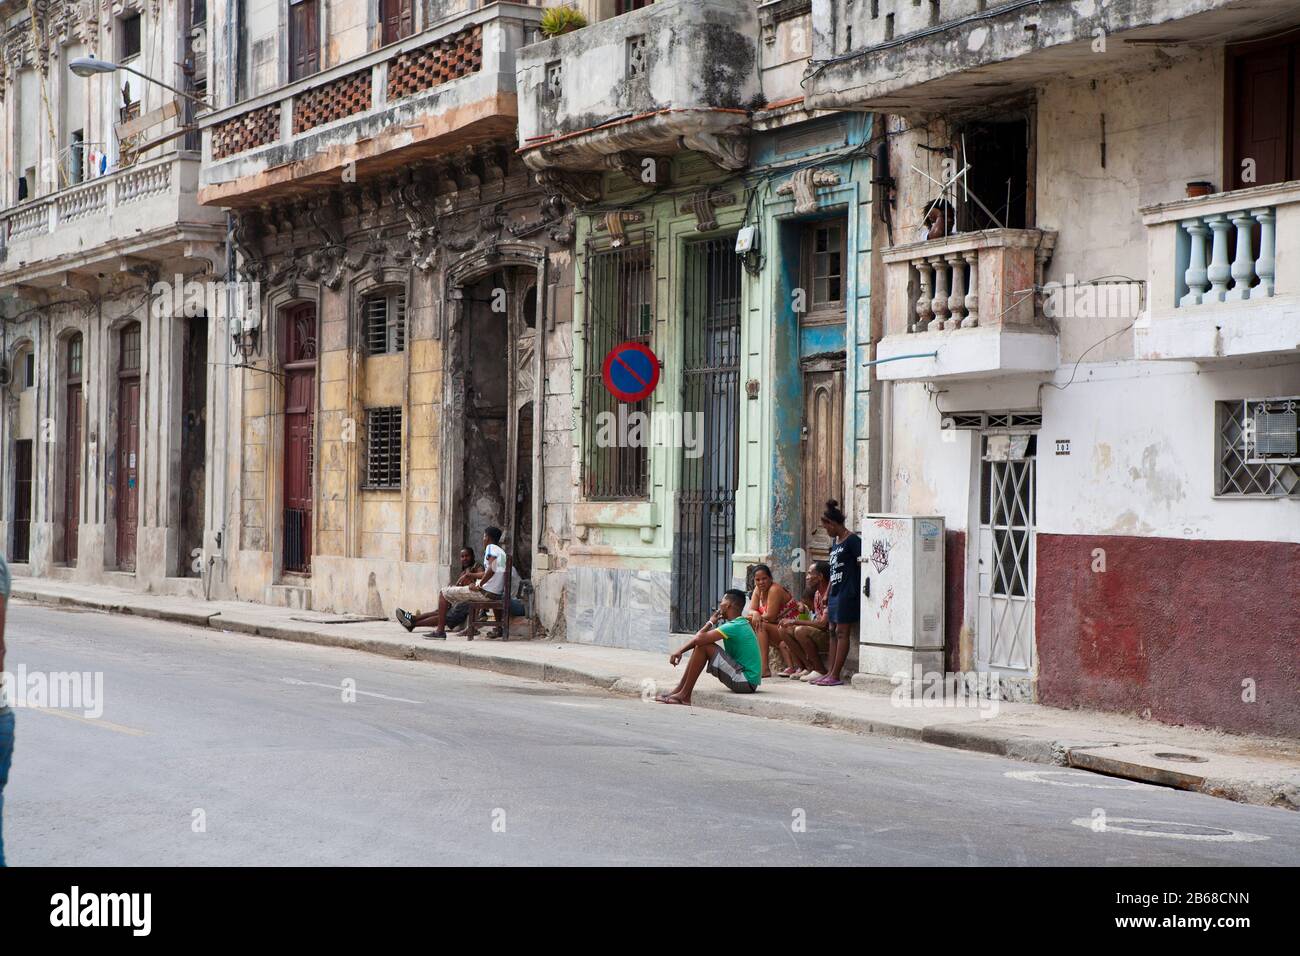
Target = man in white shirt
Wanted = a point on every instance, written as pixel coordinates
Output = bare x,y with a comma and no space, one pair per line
486,590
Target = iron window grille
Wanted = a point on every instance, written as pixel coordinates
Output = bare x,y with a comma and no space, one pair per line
384,322
619,286
994,421
1238,472
74,358
384,447
131,349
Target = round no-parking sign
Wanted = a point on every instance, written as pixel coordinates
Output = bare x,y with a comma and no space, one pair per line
631,371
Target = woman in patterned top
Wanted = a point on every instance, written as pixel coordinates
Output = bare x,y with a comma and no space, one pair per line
769,605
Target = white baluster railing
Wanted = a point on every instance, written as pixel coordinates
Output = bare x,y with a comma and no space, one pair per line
30,221
82,202
1212,273
947,291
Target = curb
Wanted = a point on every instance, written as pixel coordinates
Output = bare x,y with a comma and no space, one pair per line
1009,744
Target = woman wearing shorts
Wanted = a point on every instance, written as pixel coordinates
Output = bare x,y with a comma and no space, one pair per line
844,603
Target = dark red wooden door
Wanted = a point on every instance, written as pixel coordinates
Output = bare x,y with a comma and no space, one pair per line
300,391
128,474
72,476
398,18
304,39
298,353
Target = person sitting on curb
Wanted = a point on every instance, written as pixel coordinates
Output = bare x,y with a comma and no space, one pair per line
736,662
470,571
811,636
769,606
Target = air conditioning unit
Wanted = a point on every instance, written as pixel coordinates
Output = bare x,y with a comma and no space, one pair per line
901,627
1271,431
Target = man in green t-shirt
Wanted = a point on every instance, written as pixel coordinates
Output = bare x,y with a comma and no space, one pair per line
729,648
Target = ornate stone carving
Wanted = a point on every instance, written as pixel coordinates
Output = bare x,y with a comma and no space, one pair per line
803,185
729,151
702,202
579,189
616,223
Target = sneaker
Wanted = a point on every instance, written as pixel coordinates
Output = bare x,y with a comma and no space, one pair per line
436,636
405,618
811,676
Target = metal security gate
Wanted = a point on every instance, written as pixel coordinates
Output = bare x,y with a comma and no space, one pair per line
1005,629
706,501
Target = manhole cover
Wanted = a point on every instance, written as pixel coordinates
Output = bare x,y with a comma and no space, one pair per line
1182,758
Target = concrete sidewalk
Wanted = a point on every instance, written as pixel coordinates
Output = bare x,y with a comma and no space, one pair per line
1256,770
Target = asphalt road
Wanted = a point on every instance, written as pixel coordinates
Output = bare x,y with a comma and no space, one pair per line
227,749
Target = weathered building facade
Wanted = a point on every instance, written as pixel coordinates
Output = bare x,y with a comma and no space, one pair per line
108,267
728,229
1095,367
404,379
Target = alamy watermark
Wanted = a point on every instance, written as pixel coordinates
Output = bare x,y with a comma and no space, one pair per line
633,429
54,690
981,690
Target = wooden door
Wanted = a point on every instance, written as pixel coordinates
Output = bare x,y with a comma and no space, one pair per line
298,353
300,390
823,453
304,39
22,500
398,18
128,474
72,476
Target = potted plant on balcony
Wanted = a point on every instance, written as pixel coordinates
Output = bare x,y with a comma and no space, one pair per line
559,20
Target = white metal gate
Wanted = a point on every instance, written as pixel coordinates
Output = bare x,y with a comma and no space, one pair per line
1005,627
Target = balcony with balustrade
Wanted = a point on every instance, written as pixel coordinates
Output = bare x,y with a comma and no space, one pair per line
141,215
445,90
1222,275
967,307
674,75
909,56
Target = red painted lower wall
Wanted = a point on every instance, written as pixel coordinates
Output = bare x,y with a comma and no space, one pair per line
1173,626
954,605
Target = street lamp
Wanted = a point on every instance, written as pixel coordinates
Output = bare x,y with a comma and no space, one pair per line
89,66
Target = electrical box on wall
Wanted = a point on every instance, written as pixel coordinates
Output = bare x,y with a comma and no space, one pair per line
902,594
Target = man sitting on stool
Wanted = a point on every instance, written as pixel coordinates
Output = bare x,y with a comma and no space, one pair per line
486,590
470,571
735,662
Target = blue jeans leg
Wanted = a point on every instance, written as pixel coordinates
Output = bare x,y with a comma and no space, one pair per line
6,757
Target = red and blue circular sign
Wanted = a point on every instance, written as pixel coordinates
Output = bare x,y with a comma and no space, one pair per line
631,371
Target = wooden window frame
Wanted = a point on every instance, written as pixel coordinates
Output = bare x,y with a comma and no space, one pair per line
832,311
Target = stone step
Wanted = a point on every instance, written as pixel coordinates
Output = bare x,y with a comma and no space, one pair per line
295,596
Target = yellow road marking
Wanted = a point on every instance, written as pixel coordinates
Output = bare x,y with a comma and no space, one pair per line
106,724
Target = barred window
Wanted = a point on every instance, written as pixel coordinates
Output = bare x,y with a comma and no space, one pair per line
619,290
383,317
384,447
131,348
74,357
1258,448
